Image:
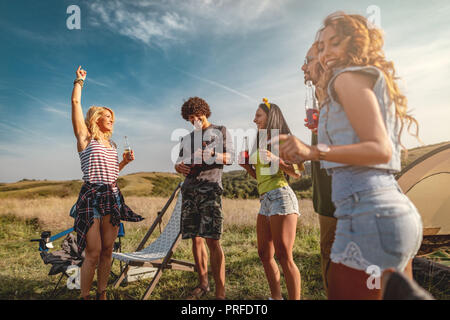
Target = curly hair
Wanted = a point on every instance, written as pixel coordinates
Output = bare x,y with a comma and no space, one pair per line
195,106
365,48
93,114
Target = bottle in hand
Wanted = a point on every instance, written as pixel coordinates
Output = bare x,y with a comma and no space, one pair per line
312,112
245,156
127,149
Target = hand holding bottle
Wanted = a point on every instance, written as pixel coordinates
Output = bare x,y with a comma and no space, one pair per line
311,108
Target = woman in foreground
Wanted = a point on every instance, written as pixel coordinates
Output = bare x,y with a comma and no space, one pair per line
361,119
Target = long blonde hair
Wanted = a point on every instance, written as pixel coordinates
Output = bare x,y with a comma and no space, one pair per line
93,114
365,48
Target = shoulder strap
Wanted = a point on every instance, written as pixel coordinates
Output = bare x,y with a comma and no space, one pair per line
365,69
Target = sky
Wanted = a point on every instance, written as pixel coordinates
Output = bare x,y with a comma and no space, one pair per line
145,58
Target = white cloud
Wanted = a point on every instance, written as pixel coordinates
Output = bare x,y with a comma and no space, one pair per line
163,23
143,23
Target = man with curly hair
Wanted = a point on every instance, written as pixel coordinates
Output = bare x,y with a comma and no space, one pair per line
203,154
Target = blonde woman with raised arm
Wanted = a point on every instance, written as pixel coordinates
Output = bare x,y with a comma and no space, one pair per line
100,205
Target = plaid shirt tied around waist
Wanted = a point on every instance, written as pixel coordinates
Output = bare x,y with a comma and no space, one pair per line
103,198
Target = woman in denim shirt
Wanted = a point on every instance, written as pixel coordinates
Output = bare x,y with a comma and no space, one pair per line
361,119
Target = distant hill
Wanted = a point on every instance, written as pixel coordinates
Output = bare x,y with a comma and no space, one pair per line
237,184
416,153
143,184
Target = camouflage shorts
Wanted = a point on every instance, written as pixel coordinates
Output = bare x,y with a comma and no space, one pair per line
201,212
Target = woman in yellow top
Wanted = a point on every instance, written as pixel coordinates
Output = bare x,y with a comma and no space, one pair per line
277,219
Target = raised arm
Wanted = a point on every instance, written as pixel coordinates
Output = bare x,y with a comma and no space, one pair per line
79,126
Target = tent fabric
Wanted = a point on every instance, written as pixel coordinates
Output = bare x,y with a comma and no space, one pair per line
426,182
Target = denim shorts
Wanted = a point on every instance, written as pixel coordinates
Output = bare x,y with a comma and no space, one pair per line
281,201
97,215
376,228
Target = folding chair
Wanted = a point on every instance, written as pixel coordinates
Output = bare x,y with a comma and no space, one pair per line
67,259
159,253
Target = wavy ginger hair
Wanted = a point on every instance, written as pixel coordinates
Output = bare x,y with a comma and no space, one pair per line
365,48
93,114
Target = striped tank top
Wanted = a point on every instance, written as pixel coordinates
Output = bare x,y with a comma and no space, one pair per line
99,164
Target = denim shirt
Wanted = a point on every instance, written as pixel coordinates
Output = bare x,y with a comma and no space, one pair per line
335,128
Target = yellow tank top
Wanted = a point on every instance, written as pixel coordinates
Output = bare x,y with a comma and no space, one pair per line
266,178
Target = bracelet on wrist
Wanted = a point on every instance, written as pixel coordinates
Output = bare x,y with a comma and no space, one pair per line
79,81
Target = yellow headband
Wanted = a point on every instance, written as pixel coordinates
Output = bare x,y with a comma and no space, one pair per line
266,102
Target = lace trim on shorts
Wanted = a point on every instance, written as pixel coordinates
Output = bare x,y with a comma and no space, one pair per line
351,257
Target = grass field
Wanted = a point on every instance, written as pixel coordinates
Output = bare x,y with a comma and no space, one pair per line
24,276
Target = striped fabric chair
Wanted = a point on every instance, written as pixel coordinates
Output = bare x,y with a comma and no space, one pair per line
159,253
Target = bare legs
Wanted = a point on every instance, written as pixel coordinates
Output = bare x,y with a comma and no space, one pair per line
350,284
409,270
217,260
99,246
108,235
266,253
201,260
91,258
277,235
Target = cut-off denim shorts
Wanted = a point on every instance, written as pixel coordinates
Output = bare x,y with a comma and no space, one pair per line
376,228
97,215
281,201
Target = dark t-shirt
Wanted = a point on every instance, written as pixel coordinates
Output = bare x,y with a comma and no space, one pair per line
321,182
214,138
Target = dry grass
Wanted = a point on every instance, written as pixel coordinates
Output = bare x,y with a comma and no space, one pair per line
243,212
53,213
